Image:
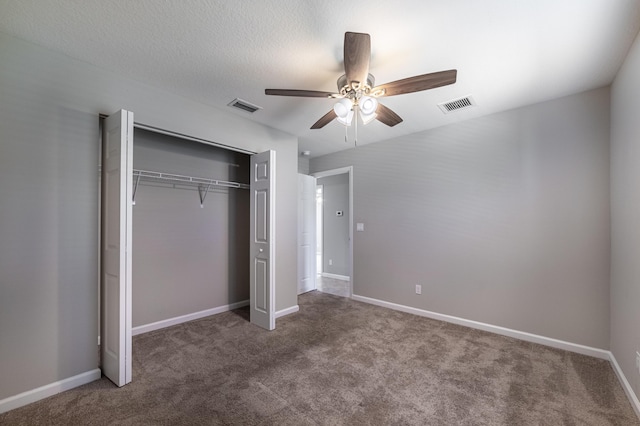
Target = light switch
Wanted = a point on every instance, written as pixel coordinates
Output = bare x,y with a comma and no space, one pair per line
359,226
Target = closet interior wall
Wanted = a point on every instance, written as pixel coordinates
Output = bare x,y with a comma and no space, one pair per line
188,258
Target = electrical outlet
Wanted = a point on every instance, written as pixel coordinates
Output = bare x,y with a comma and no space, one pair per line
638,362
418,289
330,262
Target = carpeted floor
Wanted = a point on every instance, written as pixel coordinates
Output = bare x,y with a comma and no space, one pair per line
337,362
333,286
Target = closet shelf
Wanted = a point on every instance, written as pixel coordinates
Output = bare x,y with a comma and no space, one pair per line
185,180
202,184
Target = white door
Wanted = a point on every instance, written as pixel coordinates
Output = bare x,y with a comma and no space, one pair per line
262,232
306,233
117,173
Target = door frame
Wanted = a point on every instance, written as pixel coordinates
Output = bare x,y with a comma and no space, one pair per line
319,236
339,171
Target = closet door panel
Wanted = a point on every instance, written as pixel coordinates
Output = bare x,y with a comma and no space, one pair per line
262,208
115,348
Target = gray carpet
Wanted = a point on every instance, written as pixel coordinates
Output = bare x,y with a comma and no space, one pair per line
333,286
337,362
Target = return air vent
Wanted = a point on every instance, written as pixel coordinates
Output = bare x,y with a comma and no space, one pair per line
244,105
457,104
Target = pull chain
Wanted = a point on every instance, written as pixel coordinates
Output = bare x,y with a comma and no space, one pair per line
346,128
355,118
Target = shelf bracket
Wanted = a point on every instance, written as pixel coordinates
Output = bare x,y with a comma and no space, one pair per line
202,190
135,188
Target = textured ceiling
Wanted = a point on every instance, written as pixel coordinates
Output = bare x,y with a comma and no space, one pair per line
507,53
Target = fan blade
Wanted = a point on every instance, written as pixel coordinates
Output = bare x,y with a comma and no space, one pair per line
416,84
357,53
300,93
387,116
326,119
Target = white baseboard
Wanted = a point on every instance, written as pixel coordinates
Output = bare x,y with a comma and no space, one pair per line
534,338
184,318
633,398
46,391
287,311
336,276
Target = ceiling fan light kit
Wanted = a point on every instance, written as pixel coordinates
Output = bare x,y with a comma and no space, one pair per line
346,109
357,92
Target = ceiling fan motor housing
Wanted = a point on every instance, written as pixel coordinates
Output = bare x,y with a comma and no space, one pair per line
346,89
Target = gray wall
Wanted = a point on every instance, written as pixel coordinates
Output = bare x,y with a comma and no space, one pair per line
188,258
48,237
303,165
49,106
502,219
625,215
335,229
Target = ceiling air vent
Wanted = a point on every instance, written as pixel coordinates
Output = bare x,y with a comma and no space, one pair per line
244,105
457,104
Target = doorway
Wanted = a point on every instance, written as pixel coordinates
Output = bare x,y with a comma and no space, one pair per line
334,198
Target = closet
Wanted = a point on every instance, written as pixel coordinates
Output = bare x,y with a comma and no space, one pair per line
193,243
190,237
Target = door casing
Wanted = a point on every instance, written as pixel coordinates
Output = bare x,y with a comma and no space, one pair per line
342,170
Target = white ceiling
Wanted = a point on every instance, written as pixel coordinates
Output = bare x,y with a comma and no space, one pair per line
507,53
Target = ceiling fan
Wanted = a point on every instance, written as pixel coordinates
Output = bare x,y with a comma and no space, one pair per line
357,92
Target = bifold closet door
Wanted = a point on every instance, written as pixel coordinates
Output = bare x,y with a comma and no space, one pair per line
115,296
262,231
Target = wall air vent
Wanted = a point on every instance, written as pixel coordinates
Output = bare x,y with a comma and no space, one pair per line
457,104
244,105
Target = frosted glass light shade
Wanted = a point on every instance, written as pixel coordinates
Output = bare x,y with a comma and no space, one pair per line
368,105
368,118
344,111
